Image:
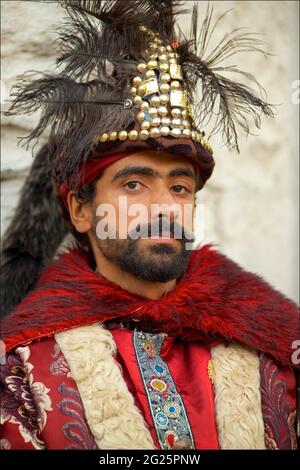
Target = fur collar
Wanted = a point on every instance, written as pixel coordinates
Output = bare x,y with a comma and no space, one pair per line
215,300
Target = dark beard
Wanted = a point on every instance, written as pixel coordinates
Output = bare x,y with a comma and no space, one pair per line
159,263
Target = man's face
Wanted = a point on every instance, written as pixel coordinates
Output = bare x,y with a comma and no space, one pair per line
142,215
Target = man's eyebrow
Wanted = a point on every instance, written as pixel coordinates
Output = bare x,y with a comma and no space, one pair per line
145,170
184,172
134,170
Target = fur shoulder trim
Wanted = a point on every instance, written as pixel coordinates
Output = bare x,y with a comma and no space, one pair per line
238,397
214,300
113,418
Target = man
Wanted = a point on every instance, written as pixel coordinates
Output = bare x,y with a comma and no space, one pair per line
131,339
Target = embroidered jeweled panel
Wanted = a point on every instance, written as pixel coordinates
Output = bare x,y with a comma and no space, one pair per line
166,405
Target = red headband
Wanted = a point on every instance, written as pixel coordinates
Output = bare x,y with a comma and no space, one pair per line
90,171
93,168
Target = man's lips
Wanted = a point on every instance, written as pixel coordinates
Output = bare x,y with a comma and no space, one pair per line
164,238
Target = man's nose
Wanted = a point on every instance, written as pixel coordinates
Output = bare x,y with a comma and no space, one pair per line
164,204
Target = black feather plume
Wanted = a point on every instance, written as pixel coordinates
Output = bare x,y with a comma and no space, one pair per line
157,14
86,50
96,33
70,109
223,102
33,235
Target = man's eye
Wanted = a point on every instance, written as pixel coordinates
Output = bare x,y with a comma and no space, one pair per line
178,188
132,185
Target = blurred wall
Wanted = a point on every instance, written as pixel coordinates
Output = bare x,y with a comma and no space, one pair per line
249,209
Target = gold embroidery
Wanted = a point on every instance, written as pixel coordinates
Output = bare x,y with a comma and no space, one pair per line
211,371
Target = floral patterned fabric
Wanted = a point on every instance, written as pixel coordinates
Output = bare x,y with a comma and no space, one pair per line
279,411
41,407
40,403
25,402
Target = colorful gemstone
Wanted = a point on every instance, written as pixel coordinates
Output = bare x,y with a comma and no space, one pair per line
158,384
159,368
149,347
172,409
170,438
161,419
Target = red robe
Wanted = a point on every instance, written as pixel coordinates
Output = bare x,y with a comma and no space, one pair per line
214,301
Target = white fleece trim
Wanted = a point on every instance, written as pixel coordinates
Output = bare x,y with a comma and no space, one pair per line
113,418
238,397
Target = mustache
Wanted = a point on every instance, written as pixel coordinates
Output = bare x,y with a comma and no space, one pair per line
162,227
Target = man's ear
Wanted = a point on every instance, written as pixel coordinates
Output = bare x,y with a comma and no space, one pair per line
80,213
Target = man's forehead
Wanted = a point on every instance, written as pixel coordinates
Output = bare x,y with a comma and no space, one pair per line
160,161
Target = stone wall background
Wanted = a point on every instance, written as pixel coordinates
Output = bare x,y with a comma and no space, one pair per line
250,207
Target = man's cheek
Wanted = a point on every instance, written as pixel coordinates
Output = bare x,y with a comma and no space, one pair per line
186,219
106,226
